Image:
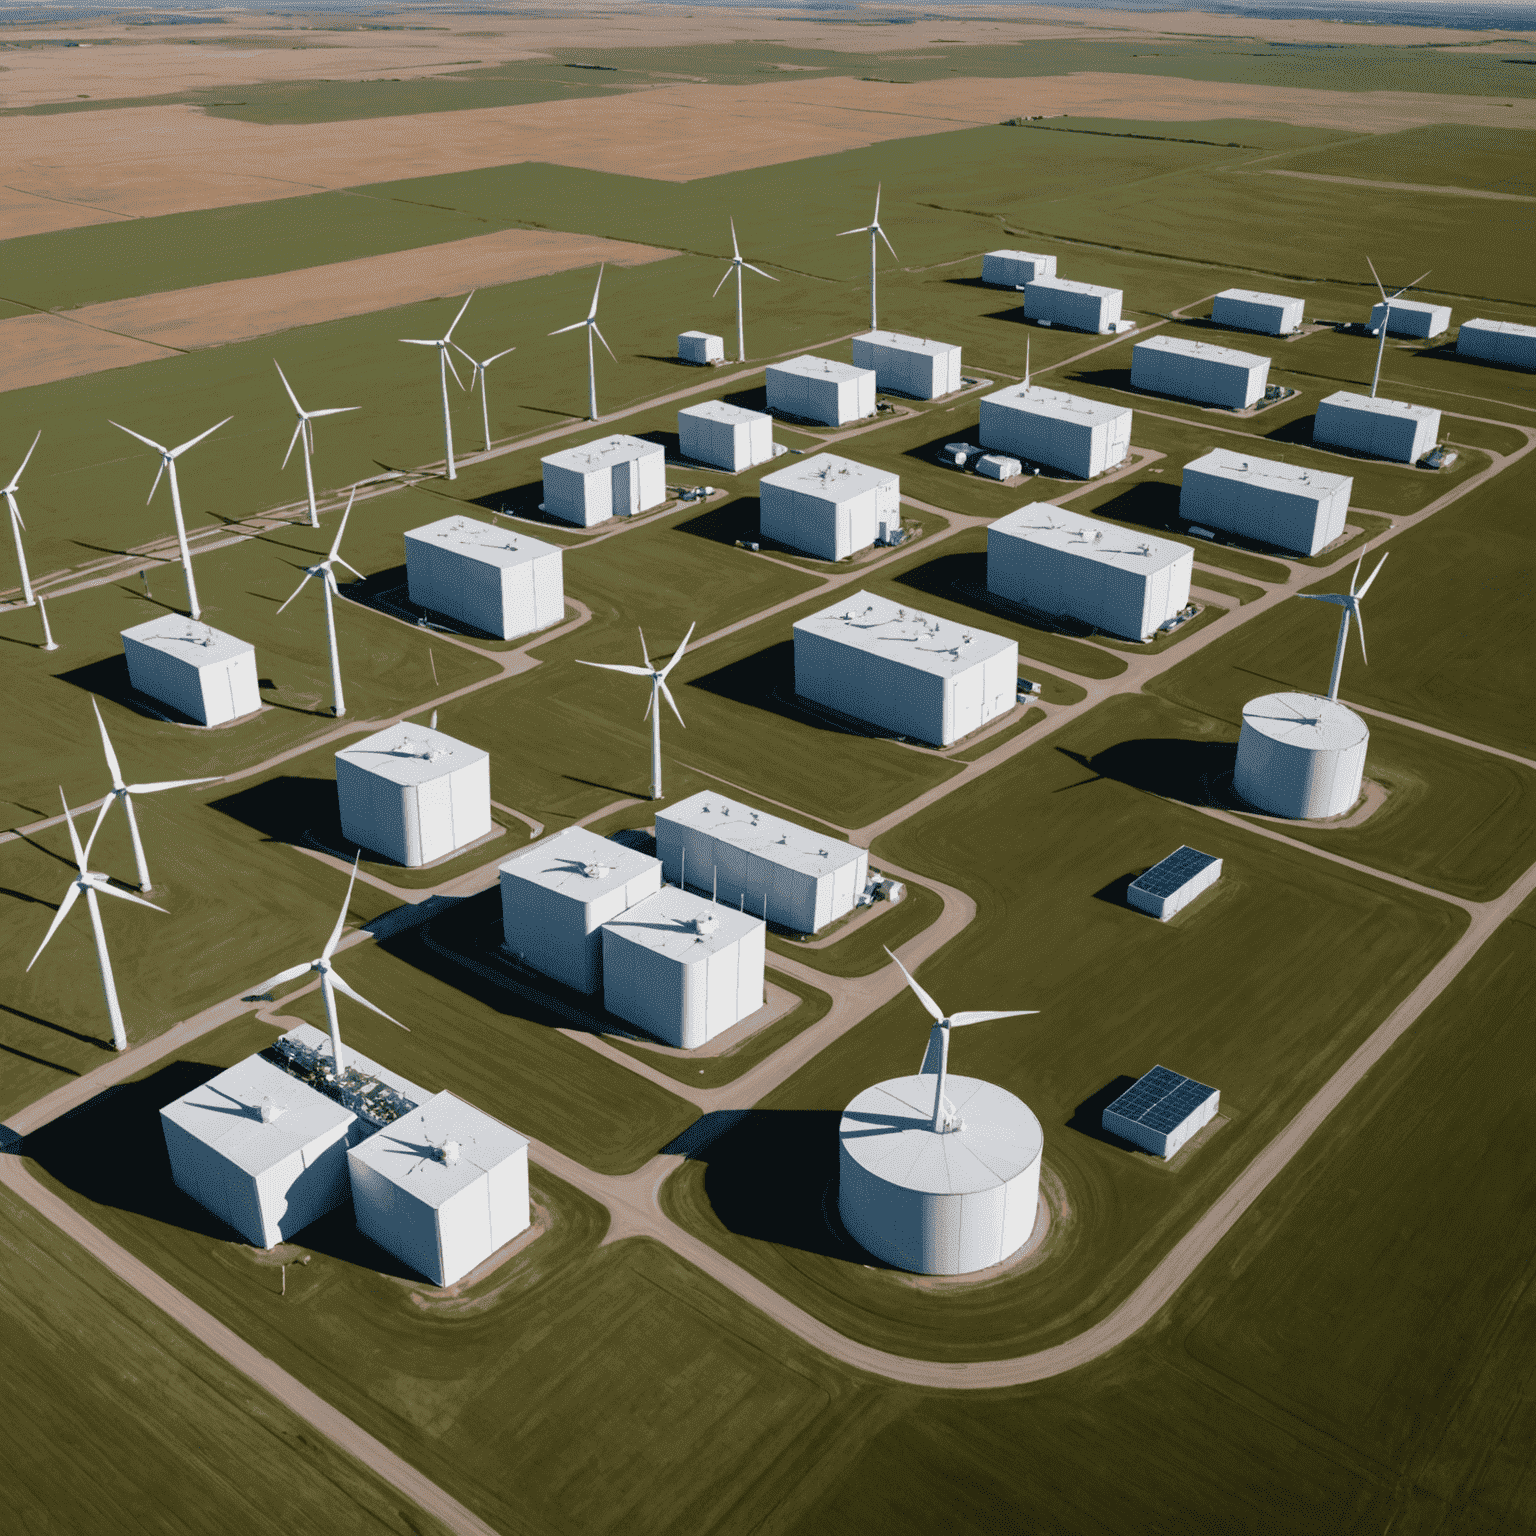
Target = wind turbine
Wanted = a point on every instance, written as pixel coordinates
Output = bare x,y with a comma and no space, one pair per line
90,884
330,982
659,691
17,526
478,377
591,327
444,368
1350,603
168,457
875,233
1386,316
327,576
936,1057
736,265
125,793
307,432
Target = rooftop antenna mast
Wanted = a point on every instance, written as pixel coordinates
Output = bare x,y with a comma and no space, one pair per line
1386,317
1350,603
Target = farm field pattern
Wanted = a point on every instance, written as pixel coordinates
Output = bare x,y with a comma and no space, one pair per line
1312,1321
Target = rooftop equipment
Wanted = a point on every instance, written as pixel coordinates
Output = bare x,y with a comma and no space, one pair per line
909,365
1169,886
1079,306
505,583
1161,1111
829,507
1197,371
819,389
728,437
1270,314
1066,432
611,477
1294,508
1013,269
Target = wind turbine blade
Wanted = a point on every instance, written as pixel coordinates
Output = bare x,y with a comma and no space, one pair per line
666,693
101,816
148,442
1354,579
291,974
297,590
735,248
341,921
336,544
192,442
465,355
564,328
71,896
1382,291
592,313
496,357
876,220
677,655
1419,279
106,747
414,341
650,702
613,666
1360,626
982,1015
16,478
1372,577
101,883
603,339
448,335
750,268
451,369
863,229
156,486
645,650
154,789
723,281
292,442
891,248
286,385
934,1011
10,501
74,837
334,410
1324,597
352,568
357,997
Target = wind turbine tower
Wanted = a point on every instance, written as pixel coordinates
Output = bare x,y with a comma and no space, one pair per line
444,368
323,571
1350,603
307,432
590,323
736,266
659,691
1386,317
89,884
17,526
876,234
478,377
168,457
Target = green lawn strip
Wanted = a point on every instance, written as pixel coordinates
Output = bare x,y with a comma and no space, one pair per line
1164,640
1032,716
1212,582
1370,527
1447,154
864,950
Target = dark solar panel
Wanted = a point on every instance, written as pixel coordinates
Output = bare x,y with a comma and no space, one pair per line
1161,1099
1181,866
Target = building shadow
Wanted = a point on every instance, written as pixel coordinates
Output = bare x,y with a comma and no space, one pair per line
962,578
284,809
1088,1118
766,680
928,453
515,500
1193,772
726,523
1298,432
1105,378
108,679
754,399
1117,892
388,592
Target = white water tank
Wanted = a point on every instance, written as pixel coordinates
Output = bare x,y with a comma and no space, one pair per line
1300,755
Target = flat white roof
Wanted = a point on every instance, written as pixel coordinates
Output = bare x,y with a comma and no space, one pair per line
1423,307
579,864
681,926
1270,473
406,1152
1250,296
916,639
1066,285
1200,351
1305,720
1019,255
1104,543
1503,327
198,644
762,834
225,1113
907,343
1378,407
411,754
1056,404
821,367
468,536
721,410
602,453
707,335
829,477
319,1041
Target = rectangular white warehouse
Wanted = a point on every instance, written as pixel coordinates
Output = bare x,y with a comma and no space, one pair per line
1298,509
1271,314
682,968
700,347
502,582
264,1152
1387,429
794,877
908,364
829,507
1498,341
1060,562
207,675
1066,432
1168,887
612,477
1161,1111
906,672
1079,306
1013,269
556,895
1412,318
1195,370
413,794
729,437
818,389
441,1188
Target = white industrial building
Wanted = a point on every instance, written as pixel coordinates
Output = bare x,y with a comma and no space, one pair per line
818,389
413,794
205,674
266,1153
557,894
441,1188
729,437
505,583
1078,306
1170,885
1411,317
909,365
1061,431
906,672
799,879
829,507
682,968
1386,429
612,477
1271,314
1498,341
1298,509
700,347
1013,269
939,1202
1197,371
1300,755
1059,562
1161,1111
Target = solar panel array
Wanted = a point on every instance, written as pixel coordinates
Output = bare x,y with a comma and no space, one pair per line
1181,866
1161,1100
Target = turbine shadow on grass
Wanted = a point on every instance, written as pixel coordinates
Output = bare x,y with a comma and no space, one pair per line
287,808
1193,772
38,1061
108,679
725,524
1088,1118
62,1029
518,501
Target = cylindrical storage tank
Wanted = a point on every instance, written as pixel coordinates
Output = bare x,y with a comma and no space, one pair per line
939,1203
1300,756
